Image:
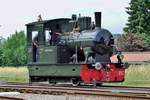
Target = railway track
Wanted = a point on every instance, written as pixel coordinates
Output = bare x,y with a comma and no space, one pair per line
135,93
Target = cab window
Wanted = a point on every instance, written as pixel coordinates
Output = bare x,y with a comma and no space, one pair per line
35,35
47,37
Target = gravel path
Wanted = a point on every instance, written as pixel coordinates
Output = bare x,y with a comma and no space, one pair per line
66,97
54,97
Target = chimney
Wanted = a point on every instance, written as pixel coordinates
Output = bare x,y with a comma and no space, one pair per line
74,17
98,19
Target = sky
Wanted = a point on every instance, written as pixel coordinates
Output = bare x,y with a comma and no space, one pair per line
16,13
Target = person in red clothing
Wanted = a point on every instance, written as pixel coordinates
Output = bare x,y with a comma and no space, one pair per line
55,38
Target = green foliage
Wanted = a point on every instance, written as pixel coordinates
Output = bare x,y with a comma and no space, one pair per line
139,18
1,55
147,40
13,51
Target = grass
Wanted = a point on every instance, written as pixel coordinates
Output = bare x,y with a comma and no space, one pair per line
136,75
14,74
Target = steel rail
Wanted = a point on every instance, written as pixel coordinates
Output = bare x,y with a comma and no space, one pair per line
103,88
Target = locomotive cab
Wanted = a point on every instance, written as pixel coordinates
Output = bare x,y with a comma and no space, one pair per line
46,34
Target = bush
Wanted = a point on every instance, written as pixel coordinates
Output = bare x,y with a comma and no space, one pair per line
130,42
13,52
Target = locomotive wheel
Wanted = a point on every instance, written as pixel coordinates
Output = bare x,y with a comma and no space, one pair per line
98,84
75,82
52,83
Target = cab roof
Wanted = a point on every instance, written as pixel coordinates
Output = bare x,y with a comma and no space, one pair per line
47,21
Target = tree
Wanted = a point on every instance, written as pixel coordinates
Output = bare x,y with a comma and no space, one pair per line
139,18
1,55
14,50
130,42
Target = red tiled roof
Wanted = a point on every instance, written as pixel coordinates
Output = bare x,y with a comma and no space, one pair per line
133,57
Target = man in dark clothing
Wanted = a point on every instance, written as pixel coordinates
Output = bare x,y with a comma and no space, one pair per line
35,49
120,57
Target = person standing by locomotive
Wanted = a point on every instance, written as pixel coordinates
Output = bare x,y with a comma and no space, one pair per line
35,49
120,56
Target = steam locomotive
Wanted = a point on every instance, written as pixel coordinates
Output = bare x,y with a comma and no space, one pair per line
74,50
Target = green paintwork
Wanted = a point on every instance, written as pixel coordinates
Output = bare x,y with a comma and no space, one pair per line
29,54
48,54
55,70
